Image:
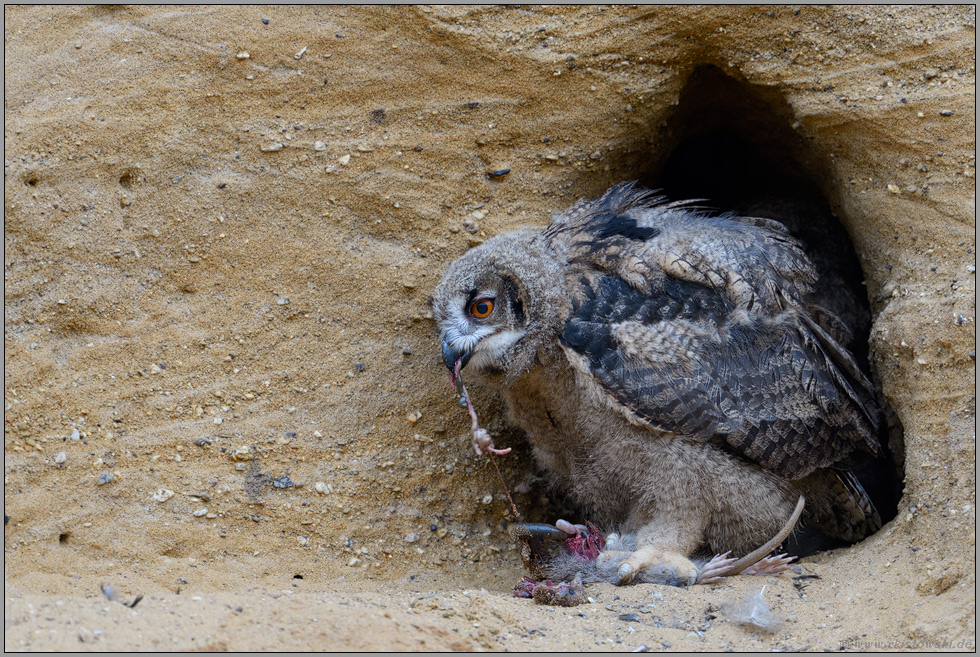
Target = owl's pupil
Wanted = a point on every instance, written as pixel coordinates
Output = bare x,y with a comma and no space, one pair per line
482,308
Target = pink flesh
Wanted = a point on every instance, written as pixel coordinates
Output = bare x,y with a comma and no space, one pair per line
457,381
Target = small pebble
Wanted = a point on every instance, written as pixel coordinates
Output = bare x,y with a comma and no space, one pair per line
75,435
487,499
469,225
344,159
105,478
200,513
319,146
945,112
321,488
61,457
300,53
282,301
282,482
243,453
265,21
354,562
411,538
162,495
497,173
242,55
272,148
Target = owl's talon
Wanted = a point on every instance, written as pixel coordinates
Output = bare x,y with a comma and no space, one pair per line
567,527
625,573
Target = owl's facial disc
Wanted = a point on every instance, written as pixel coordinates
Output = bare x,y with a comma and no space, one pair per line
480,328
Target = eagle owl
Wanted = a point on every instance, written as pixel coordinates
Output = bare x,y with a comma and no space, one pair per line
670,373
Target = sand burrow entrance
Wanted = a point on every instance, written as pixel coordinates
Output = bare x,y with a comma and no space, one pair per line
735,146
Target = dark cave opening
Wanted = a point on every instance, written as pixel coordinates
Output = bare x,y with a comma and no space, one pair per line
735,147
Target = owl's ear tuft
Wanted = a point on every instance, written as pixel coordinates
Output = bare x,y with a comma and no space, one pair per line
515,298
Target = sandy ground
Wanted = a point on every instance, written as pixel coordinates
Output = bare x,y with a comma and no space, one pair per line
221,229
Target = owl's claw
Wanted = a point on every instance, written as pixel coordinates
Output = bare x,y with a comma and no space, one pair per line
570,529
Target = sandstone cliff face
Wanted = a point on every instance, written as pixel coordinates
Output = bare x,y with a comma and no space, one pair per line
222,225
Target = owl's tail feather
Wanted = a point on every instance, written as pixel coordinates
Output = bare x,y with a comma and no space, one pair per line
839,505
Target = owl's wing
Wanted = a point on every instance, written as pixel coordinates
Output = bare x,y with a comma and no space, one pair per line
695,326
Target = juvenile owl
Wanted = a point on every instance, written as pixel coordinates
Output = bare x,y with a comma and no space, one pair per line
670,374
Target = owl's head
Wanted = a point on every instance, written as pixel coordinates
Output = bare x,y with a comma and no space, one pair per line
488,305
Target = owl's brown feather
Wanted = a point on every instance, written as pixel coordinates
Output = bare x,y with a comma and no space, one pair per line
670,372
694,354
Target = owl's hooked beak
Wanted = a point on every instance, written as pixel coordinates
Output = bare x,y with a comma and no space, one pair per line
451,357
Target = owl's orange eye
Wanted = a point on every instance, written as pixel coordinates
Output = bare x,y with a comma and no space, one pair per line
481,308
